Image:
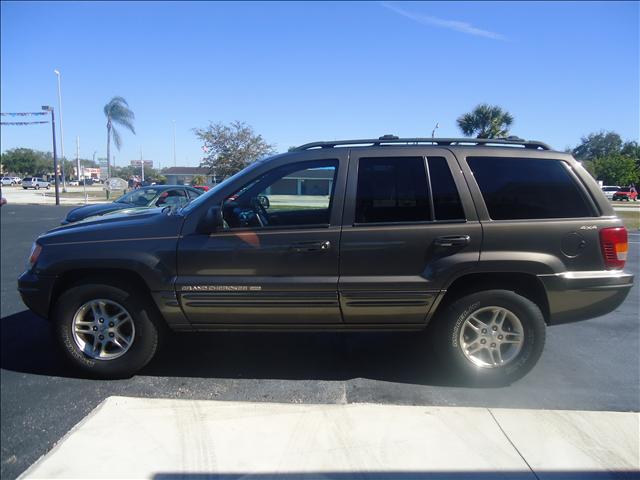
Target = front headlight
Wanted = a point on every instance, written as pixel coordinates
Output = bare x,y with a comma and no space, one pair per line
36,249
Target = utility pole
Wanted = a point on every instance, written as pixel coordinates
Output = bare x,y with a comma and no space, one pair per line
84,180
64,182
47,108
174,143
433,132
142,164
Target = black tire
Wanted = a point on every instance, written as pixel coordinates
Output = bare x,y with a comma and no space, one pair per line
447,333
37,187
145,342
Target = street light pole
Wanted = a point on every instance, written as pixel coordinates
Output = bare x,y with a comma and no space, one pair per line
47,108
64,182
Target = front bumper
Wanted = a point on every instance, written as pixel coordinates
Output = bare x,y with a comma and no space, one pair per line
575,296
36,292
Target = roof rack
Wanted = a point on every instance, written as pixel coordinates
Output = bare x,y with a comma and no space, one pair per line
392,139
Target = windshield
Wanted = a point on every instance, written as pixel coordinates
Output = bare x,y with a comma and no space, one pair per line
205,197
140,198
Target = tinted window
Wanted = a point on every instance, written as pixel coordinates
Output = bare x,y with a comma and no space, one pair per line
193,194
294,195
521,188
392,190
446,201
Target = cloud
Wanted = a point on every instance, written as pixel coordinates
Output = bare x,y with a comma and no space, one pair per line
456,25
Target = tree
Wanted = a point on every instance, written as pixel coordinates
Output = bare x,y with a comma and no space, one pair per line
487,121
199,180
25,161
117,111
230,148
598,145
616,169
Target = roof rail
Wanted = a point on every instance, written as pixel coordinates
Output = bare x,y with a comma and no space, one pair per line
392,139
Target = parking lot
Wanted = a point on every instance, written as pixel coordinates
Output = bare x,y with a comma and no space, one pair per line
592,365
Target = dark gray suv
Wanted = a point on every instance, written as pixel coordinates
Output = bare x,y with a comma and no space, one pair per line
485,242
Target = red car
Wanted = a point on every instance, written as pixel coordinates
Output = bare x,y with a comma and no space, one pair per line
627,194
202,187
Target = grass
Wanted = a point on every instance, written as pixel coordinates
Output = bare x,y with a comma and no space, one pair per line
630,218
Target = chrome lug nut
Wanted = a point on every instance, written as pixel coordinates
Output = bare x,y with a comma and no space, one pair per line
484,330
493,345
101,320
111,324
95,329
483,341
111,334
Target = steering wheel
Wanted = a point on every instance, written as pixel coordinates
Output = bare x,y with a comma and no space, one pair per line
260,211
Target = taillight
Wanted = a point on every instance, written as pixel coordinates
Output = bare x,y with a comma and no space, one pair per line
614,245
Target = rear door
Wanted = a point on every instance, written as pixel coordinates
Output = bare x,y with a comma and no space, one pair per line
409,226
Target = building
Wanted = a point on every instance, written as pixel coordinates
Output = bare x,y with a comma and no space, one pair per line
184,175
304,182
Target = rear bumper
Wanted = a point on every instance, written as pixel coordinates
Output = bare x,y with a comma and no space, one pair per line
36,291
575,296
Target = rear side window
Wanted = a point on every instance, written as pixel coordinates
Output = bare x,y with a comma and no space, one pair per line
525,188
392,190
446,201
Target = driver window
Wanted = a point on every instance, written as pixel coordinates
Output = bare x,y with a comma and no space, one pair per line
294,195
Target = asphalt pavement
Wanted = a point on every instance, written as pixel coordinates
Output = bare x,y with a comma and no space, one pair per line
592,365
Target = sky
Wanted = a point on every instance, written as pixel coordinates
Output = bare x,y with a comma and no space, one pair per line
301,72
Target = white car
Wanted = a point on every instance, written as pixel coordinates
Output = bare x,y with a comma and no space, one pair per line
609,190
17,180
35,182
7,181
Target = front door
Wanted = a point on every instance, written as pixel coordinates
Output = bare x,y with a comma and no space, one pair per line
409,227
276,259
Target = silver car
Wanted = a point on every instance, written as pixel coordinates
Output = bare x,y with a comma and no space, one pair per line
35,182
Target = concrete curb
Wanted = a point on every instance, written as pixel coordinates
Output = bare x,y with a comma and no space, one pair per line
164,438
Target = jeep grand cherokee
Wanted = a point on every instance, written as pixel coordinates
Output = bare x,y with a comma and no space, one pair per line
486,242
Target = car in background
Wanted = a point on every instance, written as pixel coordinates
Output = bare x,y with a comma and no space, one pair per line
18,180
625,194
610,190
174,196
35,182
74,183
7,181
87,181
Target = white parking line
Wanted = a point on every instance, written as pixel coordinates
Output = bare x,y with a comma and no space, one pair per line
160,438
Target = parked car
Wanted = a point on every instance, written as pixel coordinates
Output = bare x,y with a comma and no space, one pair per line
35,182
87,181
609,190
7,181
484,243
175,196
74,183
17,180
625,194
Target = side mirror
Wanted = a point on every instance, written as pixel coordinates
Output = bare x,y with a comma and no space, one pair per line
212,221
264,201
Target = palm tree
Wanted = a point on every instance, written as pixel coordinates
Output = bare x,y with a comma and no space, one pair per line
117,111
488,121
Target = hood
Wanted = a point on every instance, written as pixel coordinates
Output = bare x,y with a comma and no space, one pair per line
81,213
122,224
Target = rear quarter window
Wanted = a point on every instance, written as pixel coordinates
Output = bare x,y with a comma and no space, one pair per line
526,188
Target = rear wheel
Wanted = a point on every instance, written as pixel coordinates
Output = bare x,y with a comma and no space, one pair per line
105,331
491,337
37,187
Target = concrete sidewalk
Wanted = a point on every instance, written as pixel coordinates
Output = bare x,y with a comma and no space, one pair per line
161,439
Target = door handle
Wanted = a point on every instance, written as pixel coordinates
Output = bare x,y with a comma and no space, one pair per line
452,240
311,246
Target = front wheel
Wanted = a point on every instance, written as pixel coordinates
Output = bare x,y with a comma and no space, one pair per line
37,187
491,337
105,331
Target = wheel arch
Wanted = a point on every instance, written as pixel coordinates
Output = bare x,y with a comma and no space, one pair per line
524,284
116,277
